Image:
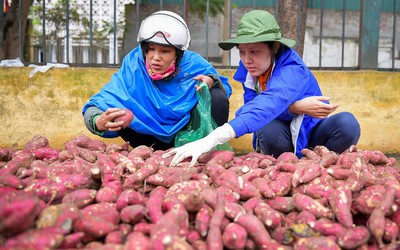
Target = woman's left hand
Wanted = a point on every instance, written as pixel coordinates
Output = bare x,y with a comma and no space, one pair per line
206,79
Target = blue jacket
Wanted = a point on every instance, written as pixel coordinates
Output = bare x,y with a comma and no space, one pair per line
160,108
291,80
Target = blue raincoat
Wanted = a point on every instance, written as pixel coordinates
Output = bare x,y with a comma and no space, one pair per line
290,81
161,108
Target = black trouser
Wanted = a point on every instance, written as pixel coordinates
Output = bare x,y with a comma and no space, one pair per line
337,132
219,111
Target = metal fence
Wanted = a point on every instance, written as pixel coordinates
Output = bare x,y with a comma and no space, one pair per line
105,31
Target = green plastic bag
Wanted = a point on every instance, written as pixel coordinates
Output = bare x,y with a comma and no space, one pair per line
201,122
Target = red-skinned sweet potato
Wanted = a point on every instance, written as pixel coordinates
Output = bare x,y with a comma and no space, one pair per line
81,197
18,212
255,229
316,243
354,237
130,197
214,236
202,220
127,118
234,236
133,214
305,202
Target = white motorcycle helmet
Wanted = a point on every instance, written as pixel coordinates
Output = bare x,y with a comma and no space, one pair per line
166,28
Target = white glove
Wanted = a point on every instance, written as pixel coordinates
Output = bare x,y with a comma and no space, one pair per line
194,149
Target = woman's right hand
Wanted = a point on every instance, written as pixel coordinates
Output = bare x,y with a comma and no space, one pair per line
105,122
313,106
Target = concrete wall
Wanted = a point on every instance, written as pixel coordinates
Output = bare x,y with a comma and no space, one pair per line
50,103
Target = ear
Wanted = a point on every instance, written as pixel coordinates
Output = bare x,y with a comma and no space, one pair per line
276,47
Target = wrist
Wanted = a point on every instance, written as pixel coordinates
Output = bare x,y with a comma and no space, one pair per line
95,128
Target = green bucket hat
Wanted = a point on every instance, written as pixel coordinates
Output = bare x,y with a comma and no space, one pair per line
256,26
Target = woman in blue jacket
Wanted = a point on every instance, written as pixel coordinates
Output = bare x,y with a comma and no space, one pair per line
283,103
157,82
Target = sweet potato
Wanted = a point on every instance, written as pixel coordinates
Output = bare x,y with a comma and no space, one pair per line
142,151
391,232
251,204
189,193
107,211
282,184
106,194
18,212
151,167
144,227
46,153
328,159
89,143
262,185
154,203
121,148
21,160
283,204
255,229
130,197
72,241
311,171
316,189
287,157
60,215
137,241
45,238
167,177
168,225
127,118
270,217
376,224
115,237
133,214
354,237
339,173
369,198
266,163
316,243
310,154
53,190
125,162
214,236
193,236
253,174
305,202
38,141
355,181
11,181
287,166
81,197
222,157
202,220
234,236
95,226
341,204
305,217
232,209
327,227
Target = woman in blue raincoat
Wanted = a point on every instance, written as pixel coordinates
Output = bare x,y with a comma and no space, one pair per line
283,104
157,82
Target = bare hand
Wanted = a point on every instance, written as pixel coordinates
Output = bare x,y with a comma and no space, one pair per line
313,106
105,122
206,79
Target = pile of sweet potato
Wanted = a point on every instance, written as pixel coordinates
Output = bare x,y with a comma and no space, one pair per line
97,196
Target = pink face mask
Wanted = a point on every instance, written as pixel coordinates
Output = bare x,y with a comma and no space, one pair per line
158,76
